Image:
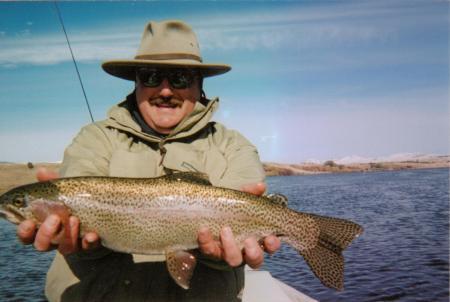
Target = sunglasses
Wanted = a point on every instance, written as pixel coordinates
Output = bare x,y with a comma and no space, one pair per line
179,78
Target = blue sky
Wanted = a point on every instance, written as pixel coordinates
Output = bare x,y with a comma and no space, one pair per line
310,79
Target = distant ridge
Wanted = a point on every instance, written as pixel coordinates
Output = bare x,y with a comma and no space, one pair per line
398,157
356,163
24,163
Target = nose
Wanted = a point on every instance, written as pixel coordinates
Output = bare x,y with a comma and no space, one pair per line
166,90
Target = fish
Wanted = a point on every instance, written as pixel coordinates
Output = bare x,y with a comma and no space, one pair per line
162,215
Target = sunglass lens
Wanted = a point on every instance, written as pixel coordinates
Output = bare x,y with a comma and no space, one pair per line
180,79
150,77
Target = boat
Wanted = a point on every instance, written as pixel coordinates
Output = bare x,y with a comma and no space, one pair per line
261,286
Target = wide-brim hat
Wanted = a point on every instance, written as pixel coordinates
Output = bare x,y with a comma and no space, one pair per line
168,43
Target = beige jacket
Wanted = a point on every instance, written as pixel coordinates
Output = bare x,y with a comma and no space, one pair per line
118,147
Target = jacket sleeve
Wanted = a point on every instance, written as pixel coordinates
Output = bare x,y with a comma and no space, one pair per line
243,165
88,154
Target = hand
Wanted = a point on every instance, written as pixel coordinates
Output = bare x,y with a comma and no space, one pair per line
227,248
59,232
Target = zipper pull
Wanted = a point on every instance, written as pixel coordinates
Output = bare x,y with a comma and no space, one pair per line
162,150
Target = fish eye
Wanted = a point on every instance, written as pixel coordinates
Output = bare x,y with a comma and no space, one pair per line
18,202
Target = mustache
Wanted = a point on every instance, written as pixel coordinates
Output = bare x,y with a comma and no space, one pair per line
173,102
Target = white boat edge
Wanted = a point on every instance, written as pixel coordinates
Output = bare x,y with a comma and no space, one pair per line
260,286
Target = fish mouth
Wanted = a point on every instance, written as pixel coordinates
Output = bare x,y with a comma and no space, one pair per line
11,214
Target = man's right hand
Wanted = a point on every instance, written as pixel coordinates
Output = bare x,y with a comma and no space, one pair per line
48,236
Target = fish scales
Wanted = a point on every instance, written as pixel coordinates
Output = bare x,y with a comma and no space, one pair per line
175,209
164,214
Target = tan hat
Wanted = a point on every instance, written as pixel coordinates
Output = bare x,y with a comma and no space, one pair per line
168,43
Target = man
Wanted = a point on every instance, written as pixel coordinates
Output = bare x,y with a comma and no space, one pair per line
162,127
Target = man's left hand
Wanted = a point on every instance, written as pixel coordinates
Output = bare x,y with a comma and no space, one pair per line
227,248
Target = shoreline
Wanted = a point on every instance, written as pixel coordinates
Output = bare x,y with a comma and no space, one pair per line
16,174
276,169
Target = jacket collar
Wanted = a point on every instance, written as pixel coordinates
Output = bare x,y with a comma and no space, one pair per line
119,117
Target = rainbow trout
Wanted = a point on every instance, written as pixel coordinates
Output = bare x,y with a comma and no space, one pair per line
163,215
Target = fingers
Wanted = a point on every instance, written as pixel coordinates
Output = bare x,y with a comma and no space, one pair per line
231,252
228,250
44,174
253,254
26,231
47,231
69,242
51,235
271,244
207,244
90,241
225,249
255,188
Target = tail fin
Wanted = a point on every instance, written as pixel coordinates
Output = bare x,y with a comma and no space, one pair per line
321,240
325,259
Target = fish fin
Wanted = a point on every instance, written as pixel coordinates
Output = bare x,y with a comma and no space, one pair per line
327,264
337,231
193,177
278,198
181,265
325,259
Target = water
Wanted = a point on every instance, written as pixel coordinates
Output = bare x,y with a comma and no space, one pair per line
402,256
22,269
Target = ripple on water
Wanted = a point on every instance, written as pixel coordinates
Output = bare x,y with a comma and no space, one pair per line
392,294
438,264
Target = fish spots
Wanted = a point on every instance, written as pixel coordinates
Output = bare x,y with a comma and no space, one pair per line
145,216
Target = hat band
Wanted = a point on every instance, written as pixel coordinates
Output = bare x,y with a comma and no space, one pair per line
169,56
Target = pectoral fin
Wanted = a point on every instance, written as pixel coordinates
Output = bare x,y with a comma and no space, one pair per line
181,265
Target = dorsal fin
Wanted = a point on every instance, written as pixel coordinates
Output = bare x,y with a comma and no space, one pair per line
278,199
192,177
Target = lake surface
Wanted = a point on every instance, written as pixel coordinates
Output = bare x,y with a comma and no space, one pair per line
403,255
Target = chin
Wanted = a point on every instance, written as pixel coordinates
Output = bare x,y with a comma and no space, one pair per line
165,128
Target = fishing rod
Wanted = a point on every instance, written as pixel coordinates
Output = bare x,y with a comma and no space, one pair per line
73,59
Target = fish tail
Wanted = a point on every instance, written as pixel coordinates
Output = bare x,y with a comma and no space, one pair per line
325,259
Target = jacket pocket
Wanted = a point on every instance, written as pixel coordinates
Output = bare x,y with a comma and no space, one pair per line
184,158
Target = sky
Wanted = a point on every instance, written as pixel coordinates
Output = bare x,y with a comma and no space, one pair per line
310,80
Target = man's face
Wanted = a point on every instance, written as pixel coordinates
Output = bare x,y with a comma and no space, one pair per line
163,106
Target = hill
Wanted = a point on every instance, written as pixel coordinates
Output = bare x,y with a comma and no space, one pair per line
358,164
